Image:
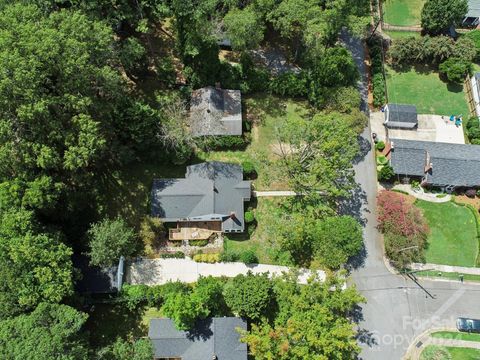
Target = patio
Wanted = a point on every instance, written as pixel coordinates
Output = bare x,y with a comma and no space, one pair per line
195,230
434,128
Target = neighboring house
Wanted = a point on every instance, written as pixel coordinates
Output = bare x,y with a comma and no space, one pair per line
209,199
442,165
473,15
215,111
475,85
211,339
401,116
96,280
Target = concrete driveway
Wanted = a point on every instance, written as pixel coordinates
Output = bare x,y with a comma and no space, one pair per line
397,308
430,128
161,271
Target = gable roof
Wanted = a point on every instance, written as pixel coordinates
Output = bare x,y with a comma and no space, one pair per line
452,164
213,336
216,111
401,116
209,191
473,9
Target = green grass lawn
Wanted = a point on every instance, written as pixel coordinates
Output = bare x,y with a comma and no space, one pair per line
456,335
453,234
464,353
401,34
402,12
448,275
272,111
258,242
421,86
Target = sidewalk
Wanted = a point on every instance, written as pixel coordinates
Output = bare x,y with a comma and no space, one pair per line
446,268
422,195
161,271
273,193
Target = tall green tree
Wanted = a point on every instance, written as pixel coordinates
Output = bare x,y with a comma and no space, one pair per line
50,332
439,15
312,323
244,28
110,239
140,349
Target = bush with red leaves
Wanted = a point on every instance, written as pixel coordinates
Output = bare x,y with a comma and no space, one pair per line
404,228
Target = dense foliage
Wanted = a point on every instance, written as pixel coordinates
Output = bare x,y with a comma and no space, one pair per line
378,80
439,15
473,130
455,69
404,228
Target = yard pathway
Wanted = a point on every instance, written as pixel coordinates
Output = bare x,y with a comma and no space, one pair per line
273,193
422,195
422,341
161,271
446,268
387,27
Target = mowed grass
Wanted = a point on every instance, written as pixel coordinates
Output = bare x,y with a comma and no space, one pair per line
271,112
258,242
421,86
456,353
401,34
448,275
453,234
402,12
456,335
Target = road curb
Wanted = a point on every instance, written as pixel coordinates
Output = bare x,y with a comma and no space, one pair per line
412,351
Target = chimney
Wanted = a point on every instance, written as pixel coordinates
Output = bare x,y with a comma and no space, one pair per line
391,144
218,85
428,167
232,215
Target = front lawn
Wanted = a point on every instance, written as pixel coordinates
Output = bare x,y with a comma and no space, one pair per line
453,234
257,242
271,111
448,275
456,353
456,335
402,12
421,86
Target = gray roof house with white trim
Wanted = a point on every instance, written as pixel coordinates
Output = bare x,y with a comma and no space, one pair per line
401,116
210,191
211,339
215,111
439,164
472,18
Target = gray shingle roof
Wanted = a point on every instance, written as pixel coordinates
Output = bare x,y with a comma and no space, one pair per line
216,112
210,190
452,164
214,336
401,116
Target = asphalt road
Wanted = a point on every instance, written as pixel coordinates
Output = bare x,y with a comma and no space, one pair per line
397,309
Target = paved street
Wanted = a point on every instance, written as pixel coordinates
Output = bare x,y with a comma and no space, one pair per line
397,309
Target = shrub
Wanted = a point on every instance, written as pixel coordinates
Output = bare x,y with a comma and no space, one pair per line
415,185
378,81
344,99
249,217
289,84
455,69
382,160
380,146
208,258
471,193
248,169
229,256
386,173
248,257
474,35
198,242
134,295
151,233
223,142
473,130
175,255
478,193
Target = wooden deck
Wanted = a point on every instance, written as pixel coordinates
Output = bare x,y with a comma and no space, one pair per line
195,230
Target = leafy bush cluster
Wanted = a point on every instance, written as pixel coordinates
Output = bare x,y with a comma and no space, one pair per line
290,84
378,81
386,173
380,145
249,217
431,50
248,169
203,242
207,258
175,255
473,130
247,256
455,69
404,228
474,35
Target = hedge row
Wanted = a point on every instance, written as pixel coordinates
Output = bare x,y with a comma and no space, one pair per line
378,81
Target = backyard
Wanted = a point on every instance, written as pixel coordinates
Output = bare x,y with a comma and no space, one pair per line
422,86
269,111
453,234
402,12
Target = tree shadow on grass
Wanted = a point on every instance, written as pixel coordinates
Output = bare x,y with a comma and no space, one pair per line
107,322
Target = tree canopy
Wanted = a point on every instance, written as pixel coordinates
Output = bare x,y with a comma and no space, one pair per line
439,15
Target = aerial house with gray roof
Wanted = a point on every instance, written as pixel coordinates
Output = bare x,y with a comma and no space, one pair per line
210,199
215,112
212,339
435,164
401,116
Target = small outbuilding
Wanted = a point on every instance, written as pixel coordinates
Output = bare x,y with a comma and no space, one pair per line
216,112
401,116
